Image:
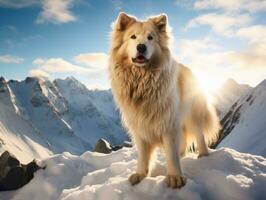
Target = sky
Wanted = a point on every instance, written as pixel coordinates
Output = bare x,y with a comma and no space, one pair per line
217,39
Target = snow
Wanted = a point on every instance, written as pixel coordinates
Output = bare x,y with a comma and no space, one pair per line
249,131
92,113
225,174
16,134
41,119
43,116
55,116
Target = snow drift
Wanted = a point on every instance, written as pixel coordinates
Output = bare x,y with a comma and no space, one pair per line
225,174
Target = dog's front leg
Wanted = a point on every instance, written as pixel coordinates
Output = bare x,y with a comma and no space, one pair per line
174,178
144,154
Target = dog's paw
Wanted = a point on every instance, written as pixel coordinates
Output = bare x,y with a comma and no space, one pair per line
175,181
136,178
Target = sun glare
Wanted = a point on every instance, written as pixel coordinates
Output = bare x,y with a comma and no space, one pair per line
208,83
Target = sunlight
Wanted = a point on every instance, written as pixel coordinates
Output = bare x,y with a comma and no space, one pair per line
208,83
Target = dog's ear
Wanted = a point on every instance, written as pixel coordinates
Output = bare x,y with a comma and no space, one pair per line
123,21
160,22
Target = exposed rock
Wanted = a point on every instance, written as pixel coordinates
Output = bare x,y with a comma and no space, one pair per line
13,174
103,146
3,84
31,79
37,101
228,123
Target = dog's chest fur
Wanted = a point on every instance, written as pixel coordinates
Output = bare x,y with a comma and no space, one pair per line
145,97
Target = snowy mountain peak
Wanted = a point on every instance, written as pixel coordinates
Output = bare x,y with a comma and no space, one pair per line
31,79
244,127
230,81
228,94
232,85
72,84
63,112
71,79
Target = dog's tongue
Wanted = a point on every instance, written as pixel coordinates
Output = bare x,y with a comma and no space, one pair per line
141,59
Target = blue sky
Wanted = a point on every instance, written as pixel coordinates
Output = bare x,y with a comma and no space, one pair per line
58,38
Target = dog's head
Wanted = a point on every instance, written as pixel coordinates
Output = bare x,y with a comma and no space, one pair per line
141,43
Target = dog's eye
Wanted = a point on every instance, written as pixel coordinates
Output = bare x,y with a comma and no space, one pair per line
150,37
133,37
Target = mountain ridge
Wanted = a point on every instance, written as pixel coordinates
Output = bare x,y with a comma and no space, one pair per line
70,117
228,94
244,125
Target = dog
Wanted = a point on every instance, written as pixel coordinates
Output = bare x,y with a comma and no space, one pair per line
160,101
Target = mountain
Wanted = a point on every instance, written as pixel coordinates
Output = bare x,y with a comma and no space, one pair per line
17,135
228,94
40,118
35,105
244,125
225,174
91,114
57,116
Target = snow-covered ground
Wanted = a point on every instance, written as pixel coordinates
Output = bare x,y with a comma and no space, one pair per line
225,174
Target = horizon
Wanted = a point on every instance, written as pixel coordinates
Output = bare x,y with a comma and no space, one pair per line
101,89
216,40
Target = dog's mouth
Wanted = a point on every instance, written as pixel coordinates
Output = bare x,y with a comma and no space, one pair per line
140,59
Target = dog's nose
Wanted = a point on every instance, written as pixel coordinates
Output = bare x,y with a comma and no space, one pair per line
141,48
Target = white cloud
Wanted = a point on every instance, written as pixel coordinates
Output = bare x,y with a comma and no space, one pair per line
58,65
189,47
56,11
223,24
86,70
9,59
253,33
38,73
243,60
232,5
98,60
246,65
18,3
53,11
38,61
251,58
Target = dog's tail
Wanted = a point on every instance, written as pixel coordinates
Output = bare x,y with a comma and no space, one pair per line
210,127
